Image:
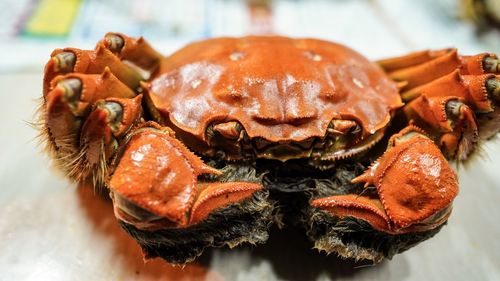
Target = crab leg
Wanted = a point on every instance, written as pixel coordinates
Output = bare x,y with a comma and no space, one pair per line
422,67
411,59
109,121
71,60
138,51
89,101
449,95
109,53
450,106
97,104
414,183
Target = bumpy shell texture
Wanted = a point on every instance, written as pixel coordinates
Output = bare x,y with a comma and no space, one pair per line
278,88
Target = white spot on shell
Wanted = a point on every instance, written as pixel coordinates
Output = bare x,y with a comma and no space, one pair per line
235,56
374,168
431,166
290,80
313,56
137,156
167,181
358,83
162,160
192,110
195,83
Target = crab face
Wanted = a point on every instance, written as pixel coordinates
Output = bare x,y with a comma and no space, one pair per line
187,145
277,98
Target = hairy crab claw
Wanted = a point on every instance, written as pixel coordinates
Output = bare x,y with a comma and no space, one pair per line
414,190
213,144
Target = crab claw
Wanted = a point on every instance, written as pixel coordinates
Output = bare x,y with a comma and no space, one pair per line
158,175
172,203
415,188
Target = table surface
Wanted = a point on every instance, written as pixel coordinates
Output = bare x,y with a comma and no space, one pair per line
52,230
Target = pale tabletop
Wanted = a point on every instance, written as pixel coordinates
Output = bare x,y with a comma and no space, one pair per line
52,230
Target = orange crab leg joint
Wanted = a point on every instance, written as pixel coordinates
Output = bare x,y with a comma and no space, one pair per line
411,59
480,64
360,207
213,196
467,87
138,51
89,62
428,71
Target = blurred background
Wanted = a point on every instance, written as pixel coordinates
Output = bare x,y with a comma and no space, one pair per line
32,28
51,230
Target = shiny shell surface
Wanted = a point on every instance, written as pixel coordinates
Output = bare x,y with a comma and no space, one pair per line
278,88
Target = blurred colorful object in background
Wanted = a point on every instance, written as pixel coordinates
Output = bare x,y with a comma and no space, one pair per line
33,28
88,19
261,17
485,13
52,18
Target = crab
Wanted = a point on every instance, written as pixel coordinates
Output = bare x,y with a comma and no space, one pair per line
213,145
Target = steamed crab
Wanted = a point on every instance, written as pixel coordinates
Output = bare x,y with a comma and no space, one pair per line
213,144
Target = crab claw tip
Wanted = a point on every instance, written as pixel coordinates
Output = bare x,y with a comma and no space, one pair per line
491,64
63,62
114,42
493,88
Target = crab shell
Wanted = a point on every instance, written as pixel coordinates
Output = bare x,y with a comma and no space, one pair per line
279,89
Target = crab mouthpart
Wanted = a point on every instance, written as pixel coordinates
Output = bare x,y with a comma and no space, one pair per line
283,150
341,148
342,139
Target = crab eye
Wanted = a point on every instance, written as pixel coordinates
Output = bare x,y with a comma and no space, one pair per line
343,127
230,130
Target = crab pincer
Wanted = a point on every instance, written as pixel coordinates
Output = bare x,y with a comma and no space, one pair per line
413,191
160,199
